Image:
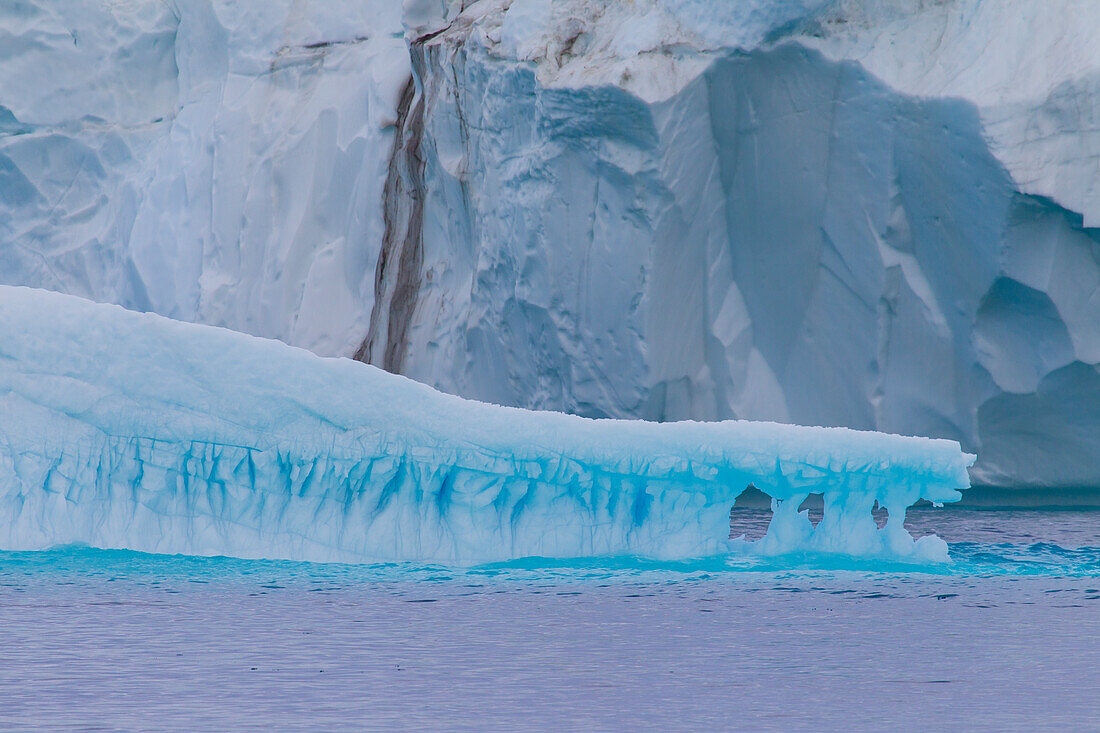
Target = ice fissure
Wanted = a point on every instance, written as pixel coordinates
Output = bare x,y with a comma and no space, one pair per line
128,430
398,271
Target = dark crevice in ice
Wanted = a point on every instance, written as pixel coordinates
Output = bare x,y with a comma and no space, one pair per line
397,275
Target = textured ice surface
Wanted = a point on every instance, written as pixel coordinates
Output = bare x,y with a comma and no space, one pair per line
128,430
212,161
874,215
877,214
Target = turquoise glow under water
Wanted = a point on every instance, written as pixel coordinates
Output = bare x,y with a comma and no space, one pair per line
1003,637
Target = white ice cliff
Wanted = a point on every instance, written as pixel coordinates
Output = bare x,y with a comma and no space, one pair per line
864,213
130,430
220,162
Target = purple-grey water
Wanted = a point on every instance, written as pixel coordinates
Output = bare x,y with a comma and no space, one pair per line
1005,638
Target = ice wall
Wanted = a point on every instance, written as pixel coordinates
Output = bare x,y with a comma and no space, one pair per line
866,213
874,215
213,161
128,430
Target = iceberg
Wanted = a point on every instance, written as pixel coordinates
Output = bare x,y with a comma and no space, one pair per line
133,431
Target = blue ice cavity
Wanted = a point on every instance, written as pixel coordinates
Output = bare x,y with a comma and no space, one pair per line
132,431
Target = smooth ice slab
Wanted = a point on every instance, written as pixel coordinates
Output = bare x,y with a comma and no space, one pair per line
129,430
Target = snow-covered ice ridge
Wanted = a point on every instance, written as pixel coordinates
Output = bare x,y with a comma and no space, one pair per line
880,214
128,430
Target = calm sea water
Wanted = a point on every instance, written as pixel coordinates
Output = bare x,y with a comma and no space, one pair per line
1007,637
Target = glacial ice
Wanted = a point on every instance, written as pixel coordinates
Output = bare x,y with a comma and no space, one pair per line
128,430
823,212
220,162
844,213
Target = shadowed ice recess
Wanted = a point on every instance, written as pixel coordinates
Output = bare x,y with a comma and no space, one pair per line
123,430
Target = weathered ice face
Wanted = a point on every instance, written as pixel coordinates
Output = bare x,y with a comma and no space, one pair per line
875,215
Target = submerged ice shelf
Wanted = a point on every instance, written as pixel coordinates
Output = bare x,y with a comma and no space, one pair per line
128,430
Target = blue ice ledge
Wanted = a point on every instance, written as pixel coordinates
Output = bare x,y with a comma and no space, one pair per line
132,431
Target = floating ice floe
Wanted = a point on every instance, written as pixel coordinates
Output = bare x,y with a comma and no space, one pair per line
128,430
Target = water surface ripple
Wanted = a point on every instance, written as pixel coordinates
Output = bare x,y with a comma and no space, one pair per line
1005,637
